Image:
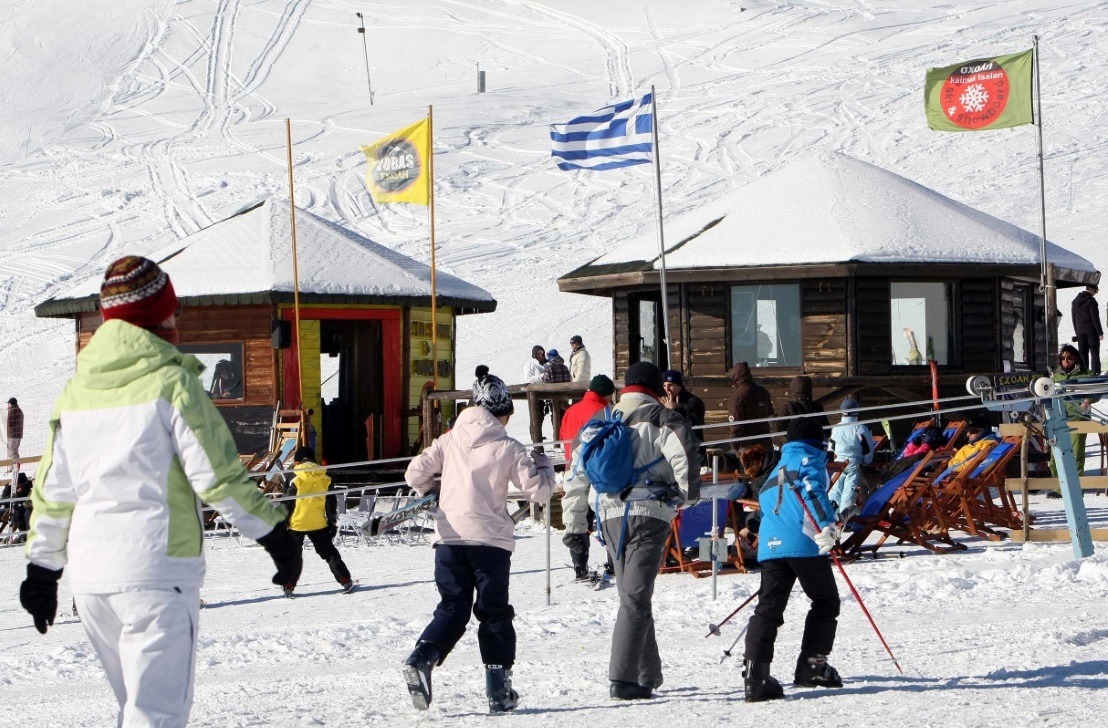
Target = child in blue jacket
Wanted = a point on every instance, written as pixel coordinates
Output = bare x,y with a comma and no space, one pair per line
790,548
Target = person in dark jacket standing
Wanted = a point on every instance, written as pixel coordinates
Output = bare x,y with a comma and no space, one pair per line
749,401
800,403
791,549
575,499
555,371
1086,325
680,399
14,432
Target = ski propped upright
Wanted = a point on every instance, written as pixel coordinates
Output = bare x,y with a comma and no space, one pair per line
388,521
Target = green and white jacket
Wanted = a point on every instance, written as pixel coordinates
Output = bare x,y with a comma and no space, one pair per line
134,445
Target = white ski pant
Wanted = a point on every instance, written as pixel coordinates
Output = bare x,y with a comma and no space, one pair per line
146,641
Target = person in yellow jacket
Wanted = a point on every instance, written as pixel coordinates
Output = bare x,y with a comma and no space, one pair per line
315,516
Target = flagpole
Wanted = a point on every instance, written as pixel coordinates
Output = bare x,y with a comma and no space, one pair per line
295,268
661,234
1046,277
431,208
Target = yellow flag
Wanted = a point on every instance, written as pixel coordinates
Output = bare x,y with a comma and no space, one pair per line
398,166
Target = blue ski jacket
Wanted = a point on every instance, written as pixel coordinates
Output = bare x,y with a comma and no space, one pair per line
786,532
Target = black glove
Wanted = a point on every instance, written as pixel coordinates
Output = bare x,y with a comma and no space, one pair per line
39,595
286,552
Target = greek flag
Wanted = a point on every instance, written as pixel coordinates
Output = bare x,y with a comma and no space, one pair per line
615,136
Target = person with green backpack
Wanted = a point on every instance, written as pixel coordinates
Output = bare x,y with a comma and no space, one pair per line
642,462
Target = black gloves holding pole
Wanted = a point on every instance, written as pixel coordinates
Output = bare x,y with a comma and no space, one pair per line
39,595
286,552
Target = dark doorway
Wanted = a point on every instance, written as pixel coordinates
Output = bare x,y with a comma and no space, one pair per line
361,395
647,330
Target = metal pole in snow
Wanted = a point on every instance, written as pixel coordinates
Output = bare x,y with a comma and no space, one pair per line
661,235
1046,279
546,518
365,53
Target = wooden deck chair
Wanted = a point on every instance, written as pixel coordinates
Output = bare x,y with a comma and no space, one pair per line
903,509
688,527
967,500
952,433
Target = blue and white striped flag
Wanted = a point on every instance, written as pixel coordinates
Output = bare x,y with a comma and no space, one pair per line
615,136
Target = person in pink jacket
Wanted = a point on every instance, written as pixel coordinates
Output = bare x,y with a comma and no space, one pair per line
474,538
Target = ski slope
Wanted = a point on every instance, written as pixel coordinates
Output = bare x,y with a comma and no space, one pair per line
128,125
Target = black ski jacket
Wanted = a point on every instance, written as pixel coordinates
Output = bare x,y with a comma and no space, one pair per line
1086,315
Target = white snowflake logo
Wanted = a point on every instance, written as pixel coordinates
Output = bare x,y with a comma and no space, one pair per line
974,98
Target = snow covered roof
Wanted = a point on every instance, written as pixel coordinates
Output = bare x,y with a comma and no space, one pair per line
247,258
833,208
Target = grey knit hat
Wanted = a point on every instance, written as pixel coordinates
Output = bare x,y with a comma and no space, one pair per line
491,393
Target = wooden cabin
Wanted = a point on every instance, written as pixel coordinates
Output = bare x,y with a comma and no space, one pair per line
363,359
839,270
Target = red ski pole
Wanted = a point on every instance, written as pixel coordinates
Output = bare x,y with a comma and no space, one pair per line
849,583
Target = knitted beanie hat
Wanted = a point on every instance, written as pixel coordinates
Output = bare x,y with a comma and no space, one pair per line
849,407
645,374
602,385
137,291
804,428
491,393
673,377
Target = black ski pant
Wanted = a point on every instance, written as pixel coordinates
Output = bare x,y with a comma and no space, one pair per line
1089,347
325,548
818,582
459,572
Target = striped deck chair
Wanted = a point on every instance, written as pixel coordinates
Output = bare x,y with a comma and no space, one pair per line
969,499
903,508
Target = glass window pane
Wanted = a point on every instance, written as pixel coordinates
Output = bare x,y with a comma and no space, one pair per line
648,336
1019,343
222,376
765,325
920,321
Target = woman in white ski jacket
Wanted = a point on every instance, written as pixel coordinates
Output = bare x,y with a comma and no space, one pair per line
133,446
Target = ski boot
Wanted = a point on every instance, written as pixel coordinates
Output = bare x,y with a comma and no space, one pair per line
629,691
347,585
815,672
758,684
498,687
417,672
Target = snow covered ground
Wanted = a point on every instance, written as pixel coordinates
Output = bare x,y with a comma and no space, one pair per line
1001,635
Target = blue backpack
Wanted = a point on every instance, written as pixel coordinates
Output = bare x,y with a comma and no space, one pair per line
608,454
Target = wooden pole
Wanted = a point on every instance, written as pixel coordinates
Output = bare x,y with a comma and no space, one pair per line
431,207
295,269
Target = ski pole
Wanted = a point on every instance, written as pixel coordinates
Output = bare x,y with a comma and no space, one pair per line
849,583
727,652
713,629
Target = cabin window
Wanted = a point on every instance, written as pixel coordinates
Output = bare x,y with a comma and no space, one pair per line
1022,335
765,325
647,329
920,322
223,373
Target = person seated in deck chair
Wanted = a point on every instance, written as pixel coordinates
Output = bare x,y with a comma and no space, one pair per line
925,440
981,437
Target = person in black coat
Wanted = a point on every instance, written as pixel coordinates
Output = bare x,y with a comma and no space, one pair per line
680,399
1085,314
801,403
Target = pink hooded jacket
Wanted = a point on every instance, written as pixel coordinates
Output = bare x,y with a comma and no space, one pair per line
478,462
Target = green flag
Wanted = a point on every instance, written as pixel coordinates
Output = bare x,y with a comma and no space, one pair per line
988,93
